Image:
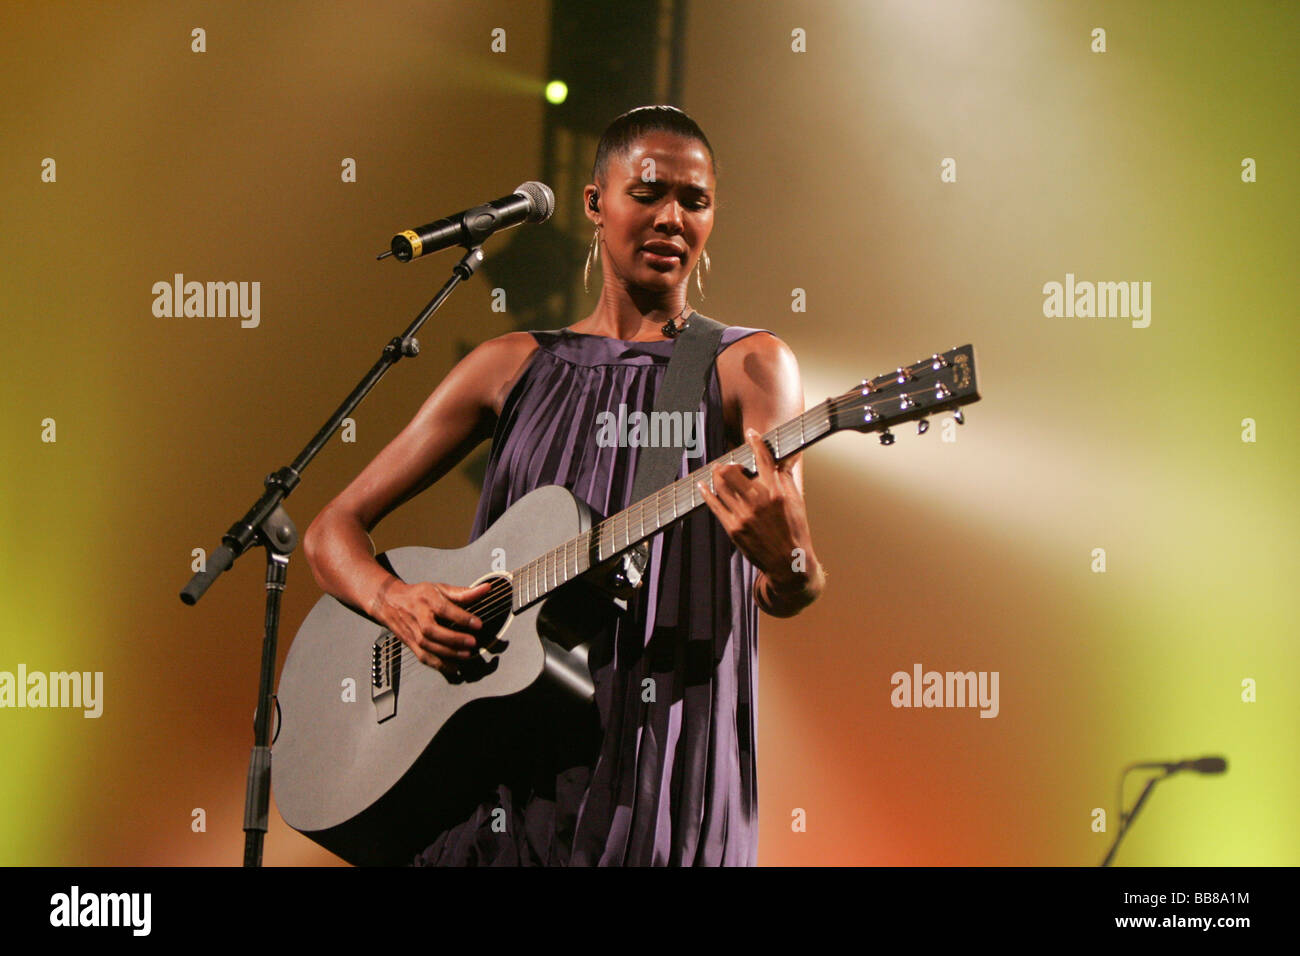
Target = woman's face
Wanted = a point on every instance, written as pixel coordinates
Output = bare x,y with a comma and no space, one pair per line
659,194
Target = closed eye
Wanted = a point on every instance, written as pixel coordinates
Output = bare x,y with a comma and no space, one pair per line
646,198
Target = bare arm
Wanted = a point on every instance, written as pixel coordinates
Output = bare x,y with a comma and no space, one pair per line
459,414
765,515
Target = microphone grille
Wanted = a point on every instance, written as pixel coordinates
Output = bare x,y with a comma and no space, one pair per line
540,198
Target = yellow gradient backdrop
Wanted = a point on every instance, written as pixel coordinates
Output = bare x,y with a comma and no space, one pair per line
973,554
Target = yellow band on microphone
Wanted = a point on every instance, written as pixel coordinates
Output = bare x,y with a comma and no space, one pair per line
414,240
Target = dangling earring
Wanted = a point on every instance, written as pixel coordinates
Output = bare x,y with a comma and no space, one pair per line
704,258
593,255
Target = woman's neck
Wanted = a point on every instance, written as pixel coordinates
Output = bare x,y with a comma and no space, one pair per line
623,318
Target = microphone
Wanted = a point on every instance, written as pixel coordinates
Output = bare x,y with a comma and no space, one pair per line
1202,765
530,202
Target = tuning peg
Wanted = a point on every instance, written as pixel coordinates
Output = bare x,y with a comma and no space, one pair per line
922,426
961,419
886,437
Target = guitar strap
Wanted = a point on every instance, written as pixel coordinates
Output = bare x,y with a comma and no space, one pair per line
681,391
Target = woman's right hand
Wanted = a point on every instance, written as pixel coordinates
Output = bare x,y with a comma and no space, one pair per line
430,619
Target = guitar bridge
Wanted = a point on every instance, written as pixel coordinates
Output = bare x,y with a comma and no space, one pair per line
385,674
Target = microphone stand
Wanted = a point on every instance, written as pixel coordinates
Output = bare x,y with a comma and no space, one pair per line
1126,820
268,525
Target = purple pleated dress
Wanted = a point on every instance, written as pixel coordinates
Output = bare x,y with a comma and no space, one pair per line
665,783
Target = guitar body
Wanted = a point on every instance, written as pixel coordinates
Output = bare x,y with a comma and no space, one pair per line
374,770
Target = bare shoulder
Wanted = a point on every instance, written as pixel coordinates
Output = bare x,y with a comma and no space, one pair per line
761,357
760,383
496,364
512,347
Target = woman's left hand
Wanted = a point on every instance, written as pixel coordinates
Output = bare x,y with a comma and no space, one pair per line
764,516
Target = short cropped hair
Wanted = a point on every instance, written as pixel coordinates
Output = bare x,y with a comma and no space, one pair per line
625,130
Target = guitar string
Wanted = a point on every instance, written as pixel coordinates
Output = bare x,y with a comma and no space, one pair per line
496,602
544,562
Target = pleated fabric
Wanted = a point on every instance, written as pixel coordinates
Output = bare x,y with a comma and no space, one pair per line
664,782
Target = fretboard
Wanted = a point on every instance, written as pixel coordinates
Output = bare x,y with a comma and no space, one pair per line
609,538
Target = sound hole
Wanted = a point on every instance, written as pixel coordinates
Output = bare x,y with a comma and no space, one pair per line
494,611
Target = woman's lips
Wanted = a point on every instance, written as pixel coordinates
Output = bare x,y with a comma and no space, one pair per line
661,260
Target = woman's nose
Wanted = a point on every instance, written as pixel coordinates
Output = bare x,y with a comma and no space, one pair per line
670,214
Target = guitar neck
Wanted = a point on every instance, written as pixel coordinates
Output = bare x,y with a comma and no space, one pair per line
943,382
608,539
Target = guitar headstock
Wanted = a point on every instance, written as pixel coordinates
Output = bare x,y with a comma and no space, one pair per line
943,382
